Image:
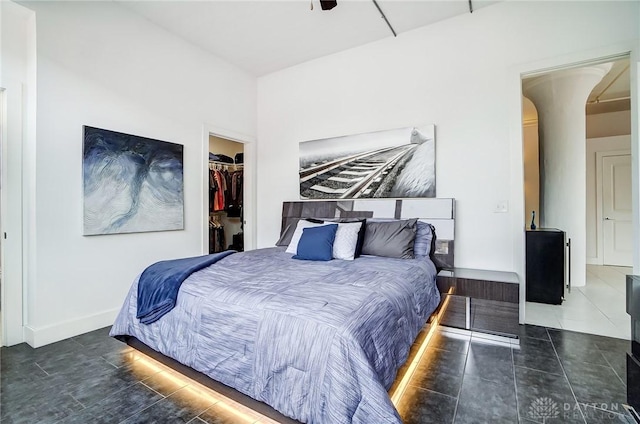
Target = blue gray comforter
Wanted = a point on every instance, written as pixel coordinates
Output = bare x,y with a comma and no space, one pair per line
320,342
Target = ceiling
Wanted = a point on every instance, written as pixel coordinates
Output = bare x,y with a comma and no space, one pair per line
263,36
611,94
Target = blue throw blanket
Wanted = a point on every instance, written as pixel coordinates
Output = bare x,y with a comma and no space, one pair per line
159,284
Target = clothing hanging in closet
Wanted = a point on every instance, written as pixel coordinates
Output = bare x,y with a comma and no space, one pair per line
234,205
225,190
216,236
225,198
217,189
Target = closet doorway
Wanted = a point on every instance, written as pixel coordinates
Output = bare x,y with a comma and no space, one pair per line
226,195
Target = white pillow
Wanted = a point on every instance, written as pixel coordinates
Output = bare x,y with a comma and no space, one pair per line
295,238
344,246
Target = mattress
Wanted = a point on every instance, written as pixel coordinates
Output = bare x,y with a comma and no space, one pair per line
321,342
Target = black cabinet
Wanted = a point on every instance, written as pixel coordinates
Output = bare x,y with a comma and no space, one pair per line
633,384
545,265
633,357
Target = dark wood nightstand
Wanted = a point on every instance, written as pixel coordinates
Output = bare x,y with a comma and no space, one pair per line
480,300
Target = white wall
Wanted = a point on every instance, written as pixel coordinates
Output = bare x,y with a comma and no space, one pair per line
103,66
531,173
594,218
456,74
531,157
609,124
224,146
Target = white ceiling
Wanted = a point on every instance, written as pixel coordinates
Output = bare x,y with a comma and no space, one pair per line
611,94
263,36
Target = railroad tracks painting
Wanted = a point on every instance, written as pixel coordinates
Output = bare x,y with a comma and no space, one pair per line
391,163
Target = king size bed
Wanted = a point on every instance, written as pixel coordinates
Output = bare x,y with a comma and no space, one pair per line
320,341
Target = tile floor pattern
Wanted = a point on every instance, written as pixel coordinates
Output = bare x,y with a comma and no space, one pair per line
554,376
596,308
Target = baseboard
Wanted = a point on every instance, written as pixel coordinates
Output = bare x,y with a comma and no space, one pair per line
41,336
594,261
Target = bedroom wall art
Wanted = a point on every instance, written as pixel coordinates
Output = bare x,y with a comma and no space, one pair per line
390,163
131,184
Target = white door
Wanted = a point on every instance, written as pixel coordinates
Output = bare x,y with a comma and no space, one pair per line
616,210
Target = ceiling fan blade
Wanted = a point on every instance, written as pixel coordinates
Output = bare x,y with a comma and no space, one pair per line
328,4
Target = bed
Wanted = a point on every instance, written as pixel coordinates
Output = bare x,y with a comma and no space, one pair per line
319,341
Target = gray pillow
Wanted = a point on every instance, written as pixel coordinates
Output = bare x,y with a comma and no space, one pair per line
424,237
392,239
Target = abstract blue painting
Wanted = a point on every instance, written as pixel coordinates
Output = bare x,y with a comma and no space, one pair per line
131,184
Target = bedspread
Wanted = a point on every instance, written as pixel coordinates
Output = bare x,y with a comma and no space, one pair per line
321,342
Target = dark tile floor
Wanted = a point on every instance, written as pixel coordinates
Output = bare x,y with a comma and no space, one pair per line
554,376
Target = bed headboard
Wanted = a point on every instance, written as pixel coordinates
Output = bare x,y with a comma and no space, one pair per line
438,212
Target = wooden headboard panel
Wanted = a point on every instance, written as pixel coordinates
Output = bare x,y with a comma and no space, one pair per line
438,212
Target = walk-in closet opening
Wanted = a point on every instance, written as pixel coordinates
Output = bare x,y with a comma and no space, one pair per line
226,195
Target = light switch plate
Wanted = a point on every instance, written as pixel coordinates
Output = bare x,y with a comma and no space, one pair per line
502,206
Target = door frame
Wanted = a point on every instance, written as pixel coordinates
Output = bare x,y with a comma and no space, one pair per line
13,284
3,210
599,197
515,74
248,189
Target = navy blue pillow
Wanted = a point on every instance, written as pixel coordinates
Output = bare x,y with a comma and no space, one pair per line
316,243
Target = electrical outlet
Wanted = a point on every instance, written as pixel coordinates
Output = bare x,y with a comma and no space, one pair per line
502,206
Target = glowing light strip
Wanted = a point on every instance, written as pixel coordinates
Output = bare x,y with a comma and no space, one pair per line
199,390
404,381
